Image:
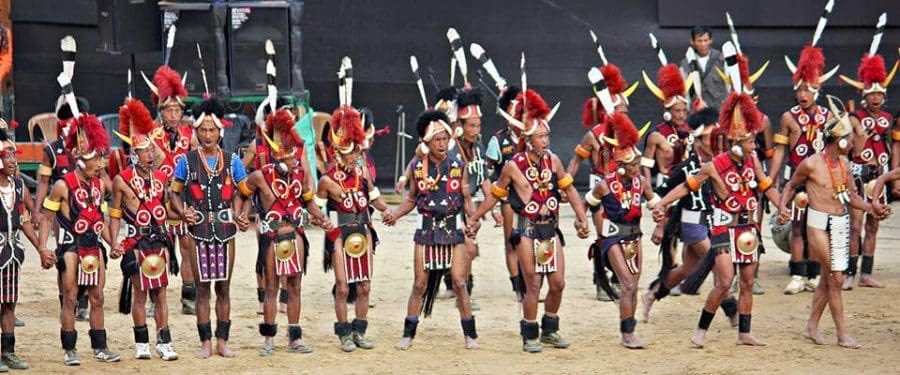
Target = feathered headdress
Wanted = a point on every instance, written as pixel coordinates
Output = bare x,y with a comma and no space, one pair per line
167,88
346,129
838,124
87,137
672,87
704,121
212,109
284,142
623,140
872,75
810,68
533,112
739,118
468,104
135,124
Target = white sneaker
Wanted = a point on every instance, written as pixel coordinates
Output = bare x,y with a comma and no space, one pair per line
166,352
142,350
812,284
797,285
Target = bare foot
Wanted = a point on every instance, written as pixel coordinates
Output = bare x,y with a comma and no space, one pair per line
848,342
205,350
867,281
648,300
699,338
746,339
404,343
470,343
814,335
630,341
223,350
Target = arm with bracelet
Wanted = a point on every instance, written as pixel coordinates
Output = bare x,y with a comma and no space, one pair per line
115,216
691,183
51,206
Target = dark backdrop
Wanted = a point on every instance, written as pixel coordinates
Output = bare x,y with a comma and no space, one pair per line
554,36
380,36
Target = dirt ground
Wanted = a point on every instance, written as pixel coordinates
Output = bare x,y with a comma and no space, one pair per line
591,326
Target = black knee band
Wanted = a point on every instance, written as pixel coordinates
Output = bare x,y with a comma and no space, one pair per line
82,299
409,326
141,334
268,330
853,266
706,319
342,329
164,336
661,292
530,330
813,269
261,295
448,281
98,338
204,330
468,327
223,328
549,324
295,332
627,325
470,283
8,343
729,306
283,295
868,262
360,326
188,292
744,323
798,268
68,339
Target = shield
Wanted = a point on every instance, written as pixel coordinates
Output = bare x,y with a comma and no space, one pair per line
90,263
285,249
545,252
747,242
153,266
781,234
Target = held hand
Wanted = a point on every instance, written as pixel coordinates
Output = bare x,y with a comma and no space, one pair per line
657,236
190,216
582,229
243,223
387,218
472,228
47,259
659,213
326,225
117,250
784,216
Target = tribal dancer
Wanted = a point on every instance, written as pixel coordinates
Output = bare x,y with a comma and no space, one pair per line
204,189
831,190
139,193
737,180
14,218
532,181
282,191
872,156
75,201
439,192
349,193
799,136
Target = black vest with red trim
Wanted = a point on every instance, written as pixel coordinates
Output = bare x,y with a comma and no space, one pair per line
812,137
628,193
11,223
740,182
439,186
877,128
151,211
210,194
85,222
545,197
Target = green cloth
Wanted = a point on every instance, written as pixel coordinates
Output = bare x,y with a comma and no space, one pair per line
304,128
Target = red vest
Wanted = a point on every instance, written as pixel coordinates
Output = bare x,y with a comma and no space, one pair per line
288,203
628,193
741,182
812,138
543,198
877,128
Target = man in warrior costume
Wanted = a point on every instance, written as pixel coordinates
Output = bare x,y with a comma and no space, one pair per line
174,137
620,194
691,215
14,217
439,192
139,200
592,148
55,163
872,157
75,200
532,181
348,191
737,179
204,189
282,191
502,146
799,136
831,190
666,146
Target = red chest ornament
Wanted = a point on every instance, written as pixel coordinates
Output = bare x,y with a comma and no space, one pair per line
876,128
740,181
354,198
287,192
628,193
812,139
544,193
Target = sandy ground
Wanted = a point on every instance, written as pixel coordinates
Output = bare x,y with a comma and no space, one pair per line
591,326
